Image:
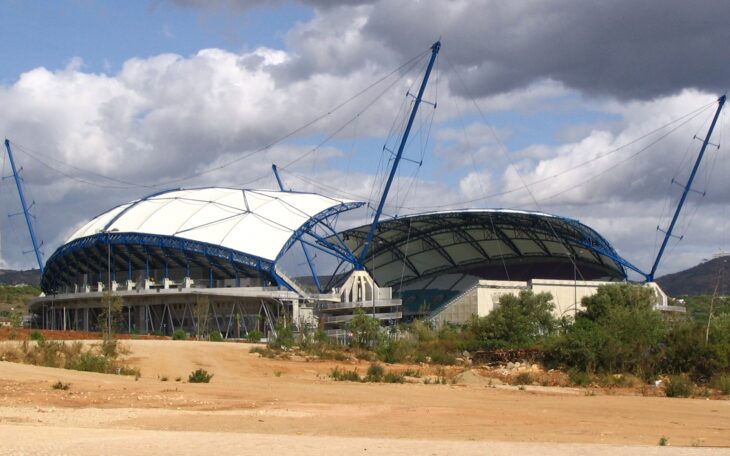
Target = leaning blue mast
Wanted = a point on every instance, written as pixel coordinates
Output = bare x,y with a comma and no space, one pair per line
668,234
26,212
434,51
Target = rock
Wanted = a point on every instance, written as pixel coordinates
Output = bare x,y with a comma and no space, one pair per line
511,365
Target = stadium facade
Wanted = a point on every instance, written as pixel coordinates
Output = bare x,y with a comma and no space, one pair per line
173,253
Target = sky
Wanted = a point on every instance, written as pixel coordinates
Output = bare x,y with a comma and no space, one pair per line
589,110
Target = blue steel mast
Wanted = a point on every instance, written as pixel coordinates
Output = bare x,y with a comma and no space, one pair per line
650,276
434,51
26,212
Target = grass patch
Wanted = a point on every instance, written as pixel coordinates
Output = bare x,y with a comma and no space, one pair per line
343,375
722,383
393,377
679,386
199,376
102,358
412,373
266,352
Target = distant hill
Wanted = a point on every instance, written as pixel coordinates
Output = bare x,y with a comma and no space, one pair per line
11,277
698,280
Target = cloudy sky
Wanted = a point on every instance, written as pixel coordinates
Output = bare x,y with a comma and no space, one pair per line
582,109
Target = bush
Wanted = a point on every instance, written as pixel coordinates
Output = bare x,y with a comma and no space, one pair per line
110,348
722,383
679,386
619,332
90,362
179,334
518,322
375,373
254,336
216,336
37,336
199,376
393,377
579,377
523,378
342,375
59,385
284,338
366,330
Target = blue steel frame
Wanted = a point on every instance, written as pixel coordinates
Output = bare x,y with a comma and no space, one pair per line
363,256
185,246
668,233
26,212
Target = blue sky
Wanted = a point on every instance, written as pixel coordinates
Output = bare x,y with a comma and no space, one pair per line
520,100
106,33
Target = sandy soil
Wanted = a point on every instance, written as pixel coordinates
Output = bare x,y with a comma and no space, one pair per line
255,403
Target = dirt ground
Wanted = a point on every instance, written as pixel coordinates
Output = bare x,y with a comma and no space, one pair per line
291,406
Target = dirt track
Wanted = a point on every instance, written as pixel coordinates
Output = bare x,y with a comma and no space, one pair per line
292,404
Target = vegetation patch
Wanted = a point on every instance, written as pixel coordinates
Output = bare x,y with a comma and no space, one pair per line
59,385
199,376
679,386
101,358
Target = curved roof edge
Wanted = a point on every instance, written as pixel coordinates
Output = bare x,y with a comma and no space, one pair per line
418,245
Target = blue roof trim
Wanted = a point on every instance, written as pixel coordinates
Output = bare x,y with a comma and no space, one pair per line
231,256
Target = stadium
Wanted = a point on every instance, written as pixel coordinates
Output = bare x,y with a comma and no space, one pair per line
224,250
221,259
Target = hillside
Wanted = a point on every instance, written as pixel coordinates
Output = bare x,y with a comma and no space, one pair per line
698,280
12,277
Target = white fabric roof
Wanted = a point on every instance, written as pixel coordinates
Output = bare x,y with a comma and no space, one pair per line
255,222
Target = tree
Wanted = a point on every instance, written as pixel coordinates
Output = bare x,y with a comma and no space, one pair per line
615,296
366,331
202,313
517,322
111,314
619,331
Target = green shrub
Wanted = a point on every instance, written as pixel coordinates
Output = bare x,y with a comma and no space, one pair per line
199,376
110,348
679,386
216,336
284,337
342,375
722,383
179,334
518,322
393,377
375,373
523,378
366,330
254,336
37,336
579,377
91,362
